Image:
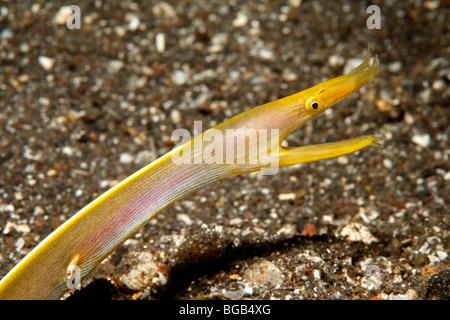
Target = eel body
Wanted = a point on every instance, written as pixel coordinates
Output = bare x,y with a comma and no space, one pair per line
248,142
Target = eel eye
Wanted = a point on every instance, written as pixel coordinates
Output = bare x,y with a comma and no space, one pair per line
313,105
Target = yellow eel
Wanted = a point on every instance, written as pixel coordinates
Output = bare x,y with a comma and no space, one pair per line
248,142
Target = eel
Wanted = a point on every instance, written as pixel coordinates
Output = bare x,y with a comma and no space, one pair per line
247,142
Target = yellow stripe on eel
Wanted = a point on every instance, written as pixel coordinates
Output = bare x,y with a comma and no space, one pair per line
247,142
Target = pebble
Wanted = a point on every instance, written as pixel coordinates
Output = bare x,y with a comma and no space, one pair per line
295,3
164,10
288,231
317,274
395,66
446,177
431,5
190,205
126,158
342,160
425,95
179,77
183,217
68,151
233,295
289,76
266,54
46,62
235,222
264,273
6,34
3,11
441,254
437,256
62,15
6,208
133,21
248,289
38,211
120,31
24,228
18,195
115,65
10,226
19,244
424,248
336,61
141,271
175,115
422,140
160,42
144,157
438,85
356,232
286,196
398,297
409,118
52,173
178,240
445,73
241,20
387,163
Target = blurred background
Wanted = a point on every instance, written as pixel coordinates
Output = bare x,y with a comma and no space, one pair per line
89,96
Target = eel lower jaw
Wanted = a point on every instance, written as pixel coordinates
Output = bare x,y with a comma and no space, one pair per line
290,156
